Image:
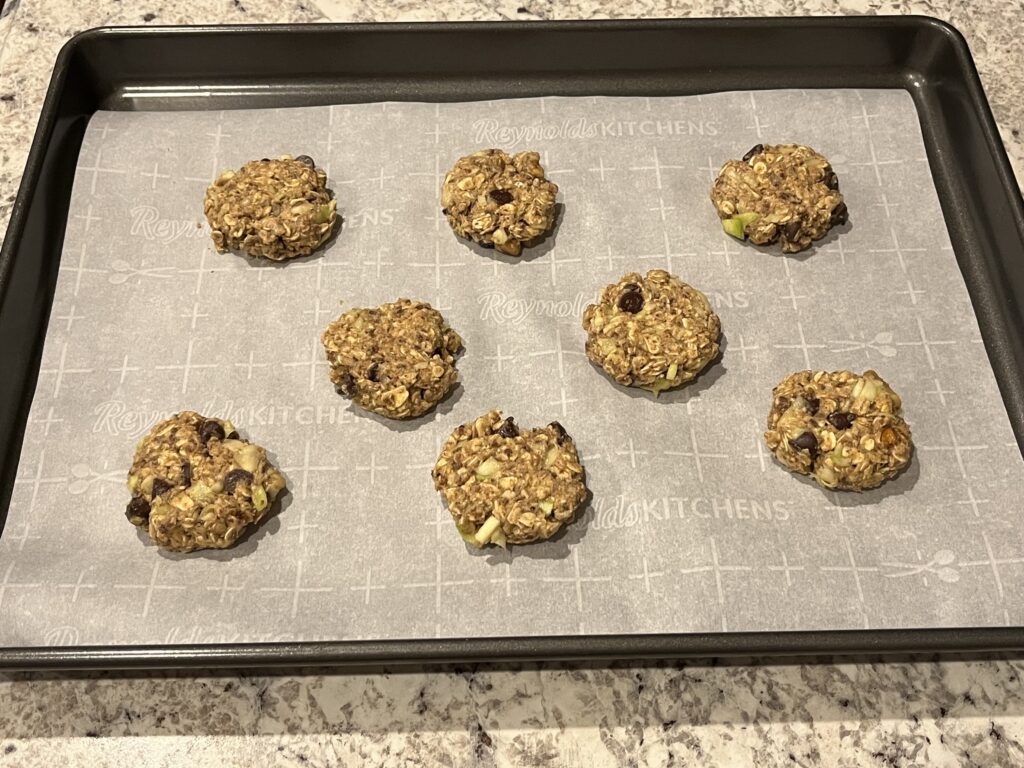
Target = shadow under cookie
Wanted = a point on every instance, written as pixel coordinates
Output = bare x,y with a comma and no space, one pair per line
442,408
898,485
322,251
246,544
557,547
772,249
708,375
532,249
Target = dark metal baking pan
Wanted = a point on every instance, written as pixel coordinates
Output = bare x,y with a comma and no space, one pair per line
252,67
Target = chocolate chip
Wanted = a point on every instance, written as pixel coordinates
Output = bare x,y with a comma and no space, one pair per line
501,196
186,474
840,214
233,435
813,404
805,442
784,403
508,428
209,430
374,372
306,160
560,432
754,150
831,181
160,487
444,211
792,230
347,385
841,420
631,301
236,477
137,511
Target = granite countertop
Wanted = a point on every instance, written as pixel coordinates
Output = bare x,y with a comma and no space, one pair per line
913,712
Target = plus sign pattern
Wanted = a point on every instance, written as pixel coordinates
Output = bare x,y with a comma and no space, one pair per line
692,527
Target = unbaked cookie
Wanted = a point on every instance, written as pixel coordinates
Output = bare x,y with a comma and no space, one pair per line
499,200
196,484
504,485
781,191
654,332
844,429
276,209
397,359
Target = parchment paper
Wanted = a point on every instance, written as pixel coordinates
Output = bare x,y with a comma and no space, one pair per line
692,526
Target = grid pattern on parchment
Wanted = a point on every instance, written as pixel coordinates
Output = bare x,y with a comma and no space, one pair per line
692,527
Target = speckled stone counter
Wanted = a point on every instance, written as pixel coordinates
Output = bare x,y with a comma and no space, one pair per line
856,713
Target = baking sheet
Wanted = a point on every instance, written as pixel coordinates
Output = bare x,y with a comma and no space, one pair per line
691,526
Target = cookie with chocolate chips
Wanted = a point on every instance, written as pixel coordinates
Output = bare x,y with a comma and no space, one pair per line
844,429
273,209
196,484
779,192
654,331
498,200
506,485
397,359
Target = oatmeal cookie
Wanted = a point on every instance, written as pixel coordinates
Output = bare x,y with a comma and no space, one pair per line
276,209
785,191
397,359
504,485
196,484
654,332
845,429
498,200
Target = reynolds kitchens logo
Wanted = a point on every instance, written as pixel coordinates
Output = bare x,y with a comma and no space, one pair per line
115,417
148,224
504,309
618,512
489,131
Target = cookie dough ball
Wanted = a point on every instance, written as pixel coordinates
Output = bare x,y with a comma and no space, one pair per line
196,485
844,429
779,191
504,485
397,360
499,200
654,332
276,209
